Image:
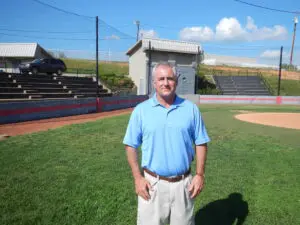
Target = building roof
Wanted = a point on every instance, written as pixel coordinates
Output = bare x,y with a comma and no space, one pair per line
28,50
166,46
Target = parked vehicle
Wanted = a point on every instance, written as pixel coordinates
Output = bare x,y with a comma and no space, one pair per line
48,66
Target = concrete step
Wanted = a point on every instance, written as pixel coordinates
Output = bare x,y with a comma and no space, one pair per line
35,84
8,84
11,90
13,95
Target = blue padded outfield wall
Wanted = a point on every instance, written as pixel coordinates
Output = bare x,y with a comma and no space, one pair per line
11,112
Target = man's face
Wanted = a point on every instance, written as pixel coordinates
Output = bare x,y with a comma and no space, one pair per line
165,81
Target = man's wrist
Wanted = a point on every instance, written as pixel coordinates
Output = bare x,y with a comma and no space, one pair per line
137,176
200,174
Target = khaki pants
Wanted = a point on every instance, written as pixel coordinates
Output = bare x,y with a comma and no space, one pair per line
170,203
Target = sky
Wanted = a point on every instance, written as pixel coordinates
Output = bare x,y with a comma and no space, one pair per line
222,27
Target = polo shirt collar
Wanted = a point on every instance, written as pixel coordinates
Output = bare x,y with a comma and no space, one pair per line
177,102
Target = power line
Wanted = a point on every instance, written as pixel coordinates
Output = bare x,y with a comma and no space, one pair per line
238,45
52,38
242,47
162,27
114,28
166,27
76,14
264,7
237,49
62,10
116,38
50,32
108,38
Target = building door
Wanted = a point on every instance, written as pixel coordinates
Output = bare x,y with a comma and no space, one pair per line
150,89
186,80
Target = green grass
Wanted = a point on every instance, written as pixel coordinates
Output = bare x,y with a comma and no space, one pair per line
89,67
79,174
113,74
287,87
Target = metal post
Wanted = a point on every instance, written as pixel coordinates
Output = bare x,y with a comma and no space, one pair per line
149,70
97,61
138,29
197,69
295,25
279,75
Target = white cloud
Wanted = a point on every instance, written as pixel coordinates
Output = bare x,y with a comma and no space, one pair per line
265,33
230,29
250,24
148,34
197,34
270,54
112,37
272,57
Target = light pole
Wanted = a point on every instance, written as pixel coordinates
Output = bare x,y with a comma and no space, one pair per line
295,25
137,22
97,60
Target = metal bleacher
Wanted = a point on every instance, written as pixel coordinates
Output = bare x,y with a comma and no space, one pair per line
241,85
27,86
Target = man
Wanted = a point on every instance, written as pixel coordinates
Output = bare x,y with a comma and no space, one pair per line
167,126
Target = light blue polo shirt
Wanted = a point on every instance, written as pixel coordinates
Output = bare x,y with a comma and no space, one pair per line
167,135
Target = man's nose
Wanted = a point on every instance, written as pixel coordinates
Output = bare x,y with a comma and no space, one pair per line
165,82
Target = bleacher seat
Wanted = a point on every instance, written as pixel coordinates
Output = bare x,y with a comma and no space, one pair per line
241,85
21,86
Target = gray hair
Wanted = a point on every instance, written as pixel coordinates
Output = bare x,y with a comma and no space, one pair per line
164,64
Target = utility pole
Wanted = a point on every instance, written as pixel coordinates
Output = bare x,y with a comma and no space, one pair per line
137,22
295,25
279,73
149,86
97,67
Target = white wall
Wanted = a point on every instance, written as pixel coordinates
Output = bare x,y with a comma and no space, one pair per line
12,65
180,59
137,70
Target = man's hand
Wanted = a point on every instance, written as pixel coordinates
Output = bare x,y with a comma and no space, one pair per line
142,187
196,185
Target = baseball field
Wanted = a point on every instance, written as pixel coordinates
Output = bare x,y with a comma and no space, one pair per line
78,174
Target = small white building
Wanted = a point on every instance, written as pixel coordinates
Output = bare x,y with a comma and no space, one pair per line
146,53
12,54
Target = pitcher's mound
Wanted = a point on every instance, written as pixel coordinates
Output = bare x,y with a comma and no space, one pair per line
286,120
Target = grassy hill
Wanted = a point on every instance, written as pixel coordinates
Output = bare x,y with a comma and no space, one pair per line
115,75
89,67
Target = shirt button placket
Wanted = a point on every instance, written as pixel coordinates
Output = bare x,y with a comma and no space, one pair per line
167,117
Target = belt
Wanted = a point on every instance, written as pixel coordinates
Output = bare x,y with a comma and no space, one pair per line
169,179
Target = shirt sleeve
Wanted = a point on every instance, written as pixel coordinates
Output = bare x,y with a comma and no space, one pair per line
133,135
200,134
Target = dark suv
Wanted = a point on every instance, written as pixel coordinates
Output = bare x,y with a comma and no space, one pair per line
48,66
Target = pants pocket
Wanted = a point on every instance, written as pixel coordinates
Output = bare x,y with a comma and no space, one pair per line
152,192
187,183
